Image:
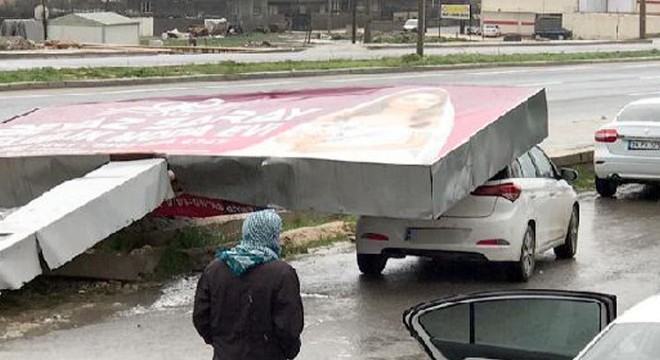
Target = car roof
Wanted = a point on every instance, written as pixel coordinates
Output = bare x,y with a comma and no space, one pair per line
648,311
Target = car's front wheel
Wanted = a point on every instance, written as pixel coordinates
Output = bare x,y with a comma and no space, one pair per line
568,249
523,269
606,187
371,264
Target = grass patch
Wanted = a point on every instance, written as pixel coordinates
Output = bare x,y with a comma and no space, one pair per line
323,241
411,38
585,181
306,219
230,67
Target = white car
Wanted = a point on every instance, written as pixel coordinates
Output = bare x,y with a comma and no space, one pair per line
490,30
411,25
524,210
627,150
536,324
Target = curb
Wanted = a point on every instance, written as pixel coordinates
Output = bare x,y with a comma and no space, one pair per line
155,51
299,74
505,44
574,158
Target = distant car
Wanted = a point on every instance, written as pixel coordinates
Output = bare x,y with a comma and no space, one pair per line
553,34
627,150
527,208
473,30
411,25
536,324
490,30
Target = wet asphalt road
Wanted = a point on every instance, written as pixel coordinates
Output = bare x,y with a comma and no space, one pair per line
349,316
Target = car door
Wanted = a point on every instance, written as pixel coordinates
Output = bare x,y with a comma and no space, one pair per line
512,325
536,189
559,200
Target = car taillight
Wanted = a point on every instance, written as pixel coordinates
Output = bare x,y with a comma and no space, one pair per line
493,242
375,236
509,191
606,135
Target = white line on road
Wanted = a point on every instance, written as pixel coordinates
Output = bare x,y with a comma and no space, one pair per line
93,93
645,93
234,85
486,73
385,77
641,65
543,84
649,77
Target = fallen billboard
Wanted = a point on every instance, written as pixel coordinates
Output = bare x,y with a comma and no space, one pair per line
406,152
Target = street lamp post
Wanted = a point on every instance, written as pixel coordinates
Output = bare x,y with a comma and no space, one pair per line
421,26
642,19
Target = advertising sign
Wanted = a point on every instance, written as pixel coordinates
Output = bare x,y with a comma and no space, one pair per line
455,11
410,151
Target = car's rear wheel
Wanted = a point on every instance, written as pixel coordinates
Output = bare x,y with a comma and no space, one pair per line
606,187
523,269
371,264
567,251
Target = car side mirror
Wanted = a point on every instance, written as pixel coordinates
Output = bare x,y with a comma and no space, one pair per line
569,175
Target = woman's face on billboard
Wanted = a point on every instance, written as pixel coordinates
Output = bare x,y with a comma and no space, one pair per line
419,101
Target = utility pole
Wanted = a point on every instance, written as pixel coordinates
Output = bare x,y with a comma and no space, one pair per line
329,14
354,30
421,26
44,18
642,19
367,27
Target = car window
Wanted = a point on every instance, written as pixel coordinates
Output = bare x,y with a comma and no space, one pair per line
543,165
644,112
539,325
503,174
637,341
527,166
516,171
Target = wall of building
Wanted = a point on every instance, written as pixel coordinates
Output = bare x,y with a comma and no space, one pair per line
511,22
530,6
609,26
146,26
80,34
122,34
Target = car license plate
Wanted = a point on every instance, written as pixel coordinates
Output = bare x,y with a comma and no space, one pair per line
643,145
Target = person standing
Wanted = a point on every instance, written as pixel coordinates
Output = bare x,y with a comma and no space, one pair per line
247,303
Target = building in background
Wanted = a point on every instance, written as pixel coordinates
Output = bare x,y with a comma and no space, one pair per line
588,19
97,27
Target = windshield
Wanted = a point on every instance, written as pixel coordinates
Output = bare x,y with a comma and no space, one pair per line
645,112
637,341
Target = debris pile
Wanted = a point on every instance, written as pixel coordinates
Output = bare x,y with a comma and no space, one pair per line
62,44
16,43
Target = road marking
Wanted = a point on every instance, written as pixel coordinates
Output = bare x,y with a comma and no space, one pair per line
641,65
384,77
544,84
486,73
646,93
649,77
132,91
229,85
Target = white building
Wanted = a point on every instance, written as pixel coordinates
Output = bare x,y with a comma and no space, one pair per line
588,19
98,28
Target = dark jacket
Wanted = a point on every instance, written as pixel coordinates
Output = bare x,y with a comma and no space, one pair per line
258,315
